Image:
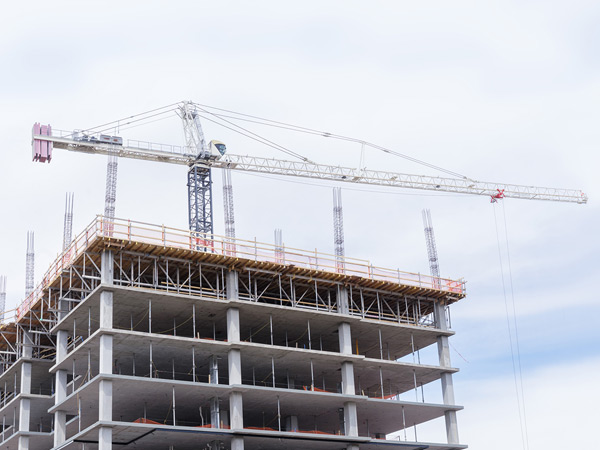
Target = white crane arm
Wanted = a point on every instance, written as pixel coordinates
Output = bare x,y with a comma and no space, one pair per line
181,155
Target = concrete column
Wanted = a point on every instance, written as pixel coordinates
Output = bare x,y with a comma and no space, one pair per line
348,378
235,366
24,419
446,378
234,359
24,414
27,345
233,325
237,443
25,403
105,386
105,438
26,378
106,309
345,338
60,389
291,423
350,420
105,400
236,411
343,304
232,285
105,363
107,267
23,442
106,354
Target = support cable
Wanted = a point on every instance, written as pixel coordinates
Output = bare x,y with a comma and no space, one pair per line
514,311
522,424
274,123
137,117
260,139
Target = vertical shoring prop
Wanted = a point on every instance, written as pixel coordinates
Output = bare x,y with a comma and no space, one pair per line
338,229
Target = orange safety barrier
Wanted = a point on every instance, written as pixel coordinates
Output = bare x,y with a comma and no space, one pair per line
316,389
142,420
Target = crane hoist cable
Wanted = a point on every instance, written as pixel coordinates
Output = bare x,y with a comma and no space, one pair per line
516,365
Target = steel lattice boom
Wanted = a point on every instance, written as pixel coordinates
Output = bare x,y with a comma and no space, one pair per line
181,155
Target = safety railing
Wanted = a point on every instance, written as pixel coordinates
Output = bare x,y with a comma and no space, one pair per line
146,233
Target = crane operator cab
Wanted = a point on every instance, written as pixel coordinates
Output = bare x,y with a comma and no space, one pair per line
216,149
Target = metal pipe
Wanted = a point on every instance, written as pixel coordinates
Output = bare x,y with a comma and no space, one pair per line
194,364
194,320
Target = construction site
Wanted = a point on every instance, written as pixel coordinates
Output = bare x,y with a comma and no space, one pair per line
144,336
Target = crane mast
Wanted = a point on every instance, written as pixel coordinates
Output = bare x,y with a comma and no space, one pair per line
199,178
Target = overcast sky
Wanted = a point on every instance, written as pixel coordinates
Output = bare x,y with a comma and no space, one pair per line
504,91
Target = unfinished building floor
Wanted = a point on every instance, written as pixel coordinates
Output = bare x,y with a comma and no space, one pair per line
146,337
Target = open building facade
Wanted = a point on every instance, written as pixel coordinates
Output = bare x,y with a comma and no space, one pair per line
145,337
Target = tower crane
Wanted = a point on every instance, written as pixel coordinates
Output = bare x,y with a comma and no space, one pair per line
201,158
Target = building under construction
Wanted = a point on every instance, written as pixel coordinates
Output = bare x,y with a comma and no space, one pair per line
141,336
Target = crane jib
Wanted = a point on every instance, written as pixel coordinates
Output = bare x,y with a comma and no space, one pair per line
46,139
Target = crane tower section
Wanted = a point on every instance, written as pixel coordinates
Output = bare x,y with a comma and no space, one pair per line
199,180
